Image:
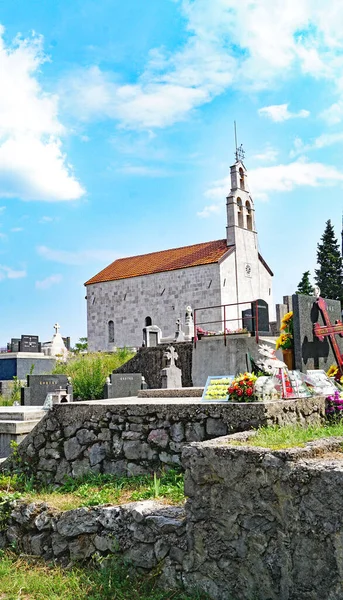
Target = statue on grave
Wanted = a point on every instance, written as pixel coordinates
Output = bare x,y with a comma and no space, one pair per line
189,324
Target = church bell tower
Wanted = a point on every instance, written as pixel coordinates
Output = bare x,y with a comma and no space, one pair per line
240,206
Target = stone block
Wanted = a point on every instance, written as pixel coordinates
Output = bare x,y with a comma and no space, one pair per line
215,427
159,437
72,448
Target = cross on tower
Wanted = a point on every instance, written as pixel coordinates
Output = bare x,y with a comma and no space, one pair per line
329,330
56,327
240,153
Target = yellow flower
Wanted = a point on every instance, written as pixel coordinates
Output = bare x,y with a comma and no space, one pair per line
332,372
287,317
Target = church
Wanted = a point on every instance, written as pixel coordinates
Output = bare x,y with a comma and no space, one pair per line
155,289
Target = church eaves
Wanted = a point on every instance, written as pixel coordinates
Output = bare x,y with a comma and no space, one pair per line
165,260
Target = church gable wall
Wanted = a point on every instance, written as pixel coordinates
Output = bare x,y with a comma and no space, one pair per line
162,296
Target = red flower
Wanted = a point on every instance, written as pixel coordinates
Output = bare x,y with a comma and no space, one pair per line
249,392
241,383
239,392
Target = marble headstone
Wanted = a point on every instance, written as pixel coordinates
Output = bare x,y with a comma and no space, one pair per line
171,374
309,351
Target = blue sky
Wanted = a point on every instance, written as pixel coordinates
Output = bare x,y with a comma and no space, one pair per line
116,137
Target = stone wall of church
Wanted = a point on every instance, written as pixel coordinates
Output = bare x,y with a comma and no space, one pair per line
162,296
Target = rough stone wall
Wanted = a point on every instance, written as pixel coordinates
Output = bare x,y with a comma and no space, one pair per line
139,438
264,524
161,296
148,361
143,532
259,525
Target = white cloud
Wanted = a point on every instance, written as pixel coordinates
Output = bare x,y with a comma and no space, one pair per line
48,282
269,155
263,181
334,114
209,210
9,273
323,141
245,45
47,219
280,112
17,229
76,258
32,164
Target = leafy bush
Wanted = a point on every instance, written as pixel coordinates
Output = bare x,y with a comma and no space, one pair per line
88,372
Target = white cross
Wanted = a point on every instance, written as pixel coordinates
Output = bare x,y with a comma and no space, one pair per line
57,327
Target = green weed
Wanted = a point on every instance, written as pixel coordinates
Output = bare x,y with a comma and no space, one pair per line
96,489
31,578
88,372
278,438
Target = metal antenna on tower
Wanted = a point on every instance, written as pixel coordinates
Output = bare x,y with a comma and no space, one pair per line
239,153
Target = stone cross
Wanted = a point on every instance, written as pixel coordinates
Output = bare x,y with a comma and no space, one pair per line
170,356
56,327
330,331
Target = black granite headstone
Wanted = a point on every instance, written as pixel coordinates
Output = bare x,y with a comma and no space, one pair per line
38,386
15,345
29,343
123,385
260,314
309,351
247,322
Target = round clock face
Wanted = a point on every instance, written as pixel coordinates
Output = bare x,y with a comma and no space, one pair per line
248,269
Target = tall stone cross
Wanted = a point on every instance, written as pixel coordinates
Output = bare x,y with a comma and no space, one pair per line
57,327
330,331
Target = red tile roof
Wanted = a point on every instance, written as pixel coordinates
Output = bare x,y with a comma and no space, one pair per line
166,260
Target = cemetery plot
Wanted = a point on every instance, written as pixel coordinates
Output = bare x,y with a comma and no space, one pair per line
216,388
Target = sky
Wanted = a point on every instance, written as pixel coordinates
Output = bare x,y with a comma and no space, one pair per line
116,138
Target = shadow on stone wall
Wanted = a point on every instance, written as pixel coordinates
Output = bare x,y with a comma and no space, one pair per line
148,361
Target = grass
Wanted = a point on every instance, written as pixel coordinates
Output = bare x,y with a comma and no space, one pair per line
94,490
290,436
88,372
25,578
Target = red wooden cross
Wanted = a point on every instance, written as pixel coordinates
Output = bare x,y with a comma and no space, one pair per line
329,330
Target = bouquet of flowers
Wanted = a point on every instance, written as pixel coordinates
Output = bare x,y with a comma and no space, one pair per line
242,388
285,340
334,406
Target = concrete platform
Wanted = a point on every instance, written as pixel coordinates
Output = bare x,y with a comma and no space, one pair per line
21,413
15,423
186,392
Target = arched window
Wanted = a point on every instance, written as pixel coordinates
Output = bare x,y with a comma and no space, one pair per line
241,179
148,321
110,332
249,215
240,212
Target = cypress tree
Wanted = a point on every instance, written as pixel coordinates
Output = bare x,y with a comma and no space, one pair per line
329,275
305,287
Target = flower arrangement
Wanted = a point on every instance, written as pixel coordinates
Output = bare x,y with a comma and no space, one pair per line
334,405
242,388
285,340
335,373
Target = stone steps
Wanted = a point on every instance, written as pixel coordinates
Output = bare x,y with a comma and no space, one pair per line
15,423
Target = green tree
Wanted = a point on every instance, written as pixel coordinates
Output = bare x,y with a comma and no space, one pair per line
329,275
305,287
81,345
